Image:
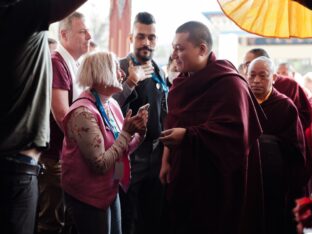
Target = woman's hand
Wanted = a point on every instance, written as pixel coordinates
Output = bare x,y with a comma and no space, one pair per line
135,123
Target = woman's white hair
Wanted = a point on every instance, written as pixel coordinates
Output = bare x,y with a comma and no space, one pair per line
98,68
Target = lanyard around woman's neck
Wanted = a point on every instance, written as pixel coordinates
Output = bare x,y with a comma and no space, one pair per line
100,107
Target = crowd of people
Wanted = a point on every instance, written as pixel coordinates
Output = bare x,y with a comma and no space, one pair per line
95,144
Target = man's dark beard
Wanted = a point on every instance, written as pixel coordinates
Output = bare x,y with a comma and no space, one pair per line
144,58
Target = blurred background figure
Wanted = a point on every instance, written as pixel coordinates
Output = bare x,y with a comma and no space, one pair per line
97,144
241,69
52,44
285,69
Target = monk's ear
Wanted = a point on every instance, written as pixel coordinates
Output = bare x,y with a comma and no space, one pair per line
203,49
274,78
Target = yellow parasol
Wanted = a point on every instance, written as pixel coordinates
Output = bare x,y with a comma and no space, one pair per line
270,18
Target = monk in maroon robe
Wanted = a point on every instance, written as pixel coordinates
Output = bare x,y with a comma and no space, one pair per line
286,86
211,159
282,149
295,92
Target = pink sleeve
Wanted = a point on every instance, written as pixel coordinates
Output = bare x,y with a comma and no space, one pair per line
135,142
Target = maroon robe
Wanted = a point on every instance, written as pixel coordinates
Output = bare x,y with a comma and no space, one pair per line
295,92
283,168
283,121
216,176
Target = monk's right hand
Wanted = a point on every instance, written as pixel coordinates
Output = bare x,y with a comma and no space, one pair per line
172,137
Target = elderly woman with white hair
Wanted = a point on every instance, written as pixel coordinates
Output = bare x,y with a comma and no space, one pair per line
96,147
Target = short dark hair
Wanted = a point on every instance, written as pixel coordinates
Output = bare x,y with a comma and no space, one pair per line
259,52
198,33
144,18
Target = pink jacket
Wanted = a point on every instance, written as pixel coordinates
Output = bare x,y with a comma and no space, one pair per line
77,178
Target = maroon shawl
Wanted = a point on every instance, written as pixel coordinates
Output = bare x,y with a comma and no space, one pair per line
216,176
283,122
293,90
283,163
